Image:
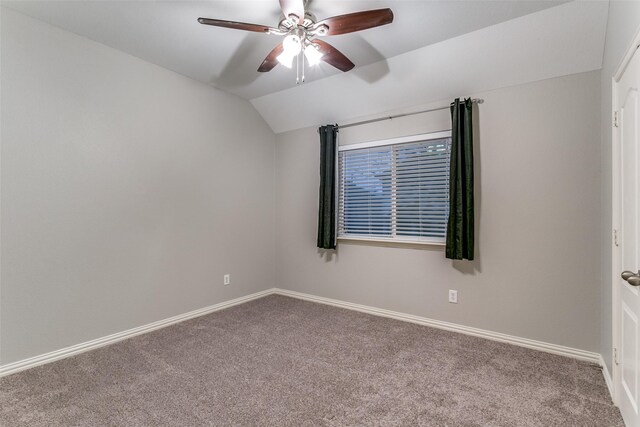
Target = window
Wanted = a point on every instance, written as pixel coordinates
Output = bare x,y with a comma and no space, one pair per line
395,190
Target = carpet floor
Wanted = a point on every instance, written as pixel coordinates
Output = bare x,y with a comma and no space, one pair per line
278,361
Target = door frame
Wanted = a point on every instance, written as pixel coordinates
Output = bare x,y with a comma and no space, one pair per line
616,219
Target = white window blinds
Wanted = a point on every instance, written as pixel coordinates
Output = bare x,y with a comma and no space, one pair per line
396,189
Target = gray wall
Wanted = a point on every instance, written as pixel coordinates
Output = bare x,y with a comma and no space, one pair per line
537,274
623,24
127,192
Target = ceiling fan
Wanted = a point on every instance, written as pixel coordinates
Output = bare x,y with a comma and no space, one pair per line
301,30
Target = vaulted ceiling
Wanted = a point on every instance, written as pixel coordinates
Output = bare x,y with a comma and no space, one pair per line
503,40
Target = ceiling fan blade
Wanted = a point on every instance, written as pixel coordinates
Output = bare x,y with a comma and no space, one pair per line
236,25
357,21
271,60
292,7
333,56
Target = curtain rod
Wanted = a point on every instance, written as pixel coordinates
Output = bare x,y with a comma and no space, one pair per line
365,122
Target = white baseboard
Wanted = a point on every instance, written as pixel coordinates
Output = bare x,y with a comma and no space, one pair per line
31,362
607,378
496,336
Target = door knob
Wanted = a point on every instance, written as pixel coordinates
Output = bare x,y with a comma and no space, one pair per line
632,278
634,281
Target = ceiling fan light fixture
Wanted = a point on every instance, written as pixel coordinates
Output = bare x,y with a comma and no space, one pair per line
313,54
292,45
286,59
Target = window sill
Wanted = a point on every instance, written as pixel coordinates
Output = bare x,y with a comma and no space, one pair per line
418,244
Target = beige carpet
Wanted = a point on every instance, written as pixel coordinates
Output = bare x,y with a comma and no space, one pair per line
281,361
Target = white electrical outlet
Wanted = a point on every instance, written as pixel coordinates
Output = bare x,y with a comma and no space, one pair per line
227,279
453,296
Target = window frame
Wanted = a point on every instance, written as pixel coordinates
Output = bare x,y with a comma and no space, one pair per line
387,241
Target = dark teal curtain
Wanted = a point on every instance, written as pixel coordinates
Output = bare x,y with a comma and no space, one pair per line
460,227
327,204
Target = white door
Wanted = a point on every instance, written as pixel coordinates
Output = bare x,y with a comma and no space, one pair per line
627,198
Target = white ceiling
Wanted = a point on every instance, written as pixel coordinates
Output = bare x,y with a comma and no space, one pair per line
166,33
554,42
434,50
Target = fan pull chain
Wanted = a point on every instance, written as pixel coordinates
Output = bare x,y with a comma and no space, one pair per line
300,68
